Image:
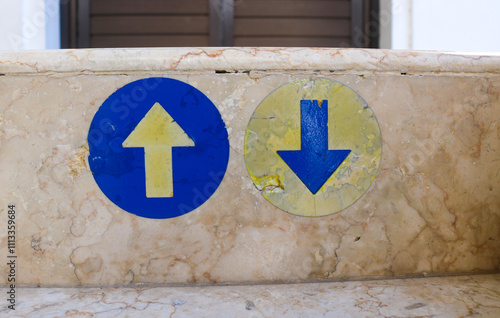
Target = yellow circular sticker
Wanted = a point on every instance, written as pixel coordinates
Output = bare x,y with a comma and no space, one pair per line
313,147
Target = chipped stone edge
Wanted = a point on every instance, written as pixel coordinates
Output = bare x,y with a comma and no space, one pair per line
238,59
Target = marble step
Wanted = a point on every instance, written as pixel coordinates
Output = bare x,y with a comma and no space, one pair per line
418,192
460,296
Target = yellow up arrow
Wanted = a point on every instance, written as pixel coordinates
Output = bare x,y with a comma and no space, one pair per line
157,133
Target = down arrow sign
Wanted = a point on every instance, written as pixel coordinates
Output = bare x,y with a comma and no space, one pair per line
314,163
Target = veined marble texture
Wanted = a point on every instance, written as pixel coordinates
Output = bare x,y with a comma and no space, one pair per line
464,296
434,206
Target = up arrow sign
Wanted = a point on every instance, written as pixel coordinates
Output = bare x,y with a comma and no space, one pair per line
314,163
157,133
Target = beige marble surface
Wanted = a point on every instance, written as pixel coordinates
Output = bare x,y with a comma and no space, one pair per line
467,296
434,206
245,59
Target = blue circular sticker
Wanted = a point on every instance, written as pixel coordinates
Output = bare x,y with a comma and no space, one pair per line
158,148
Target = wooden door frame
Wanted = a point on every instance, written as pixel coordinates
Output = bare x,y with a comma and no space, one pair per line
75,23
365,23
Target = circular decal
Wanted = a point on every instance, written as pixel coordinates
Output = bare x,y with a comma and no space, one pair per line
158,148
313,147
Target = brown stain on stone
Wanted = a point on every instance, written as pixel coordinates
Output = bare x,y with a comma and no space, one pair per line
77,163
90,265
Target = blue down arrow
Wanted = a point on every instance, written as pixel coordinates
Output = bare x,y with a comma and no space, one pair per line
314,163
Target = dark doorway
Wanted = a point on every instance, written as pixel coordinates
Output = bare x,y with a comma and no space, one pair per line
180,23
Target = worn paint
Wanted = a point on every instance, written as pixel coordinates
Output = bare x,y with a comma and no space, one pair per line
163,155
276,126
314,162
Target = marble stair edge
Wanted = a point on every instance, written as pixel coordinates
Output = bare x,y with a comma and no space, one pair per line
433,208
